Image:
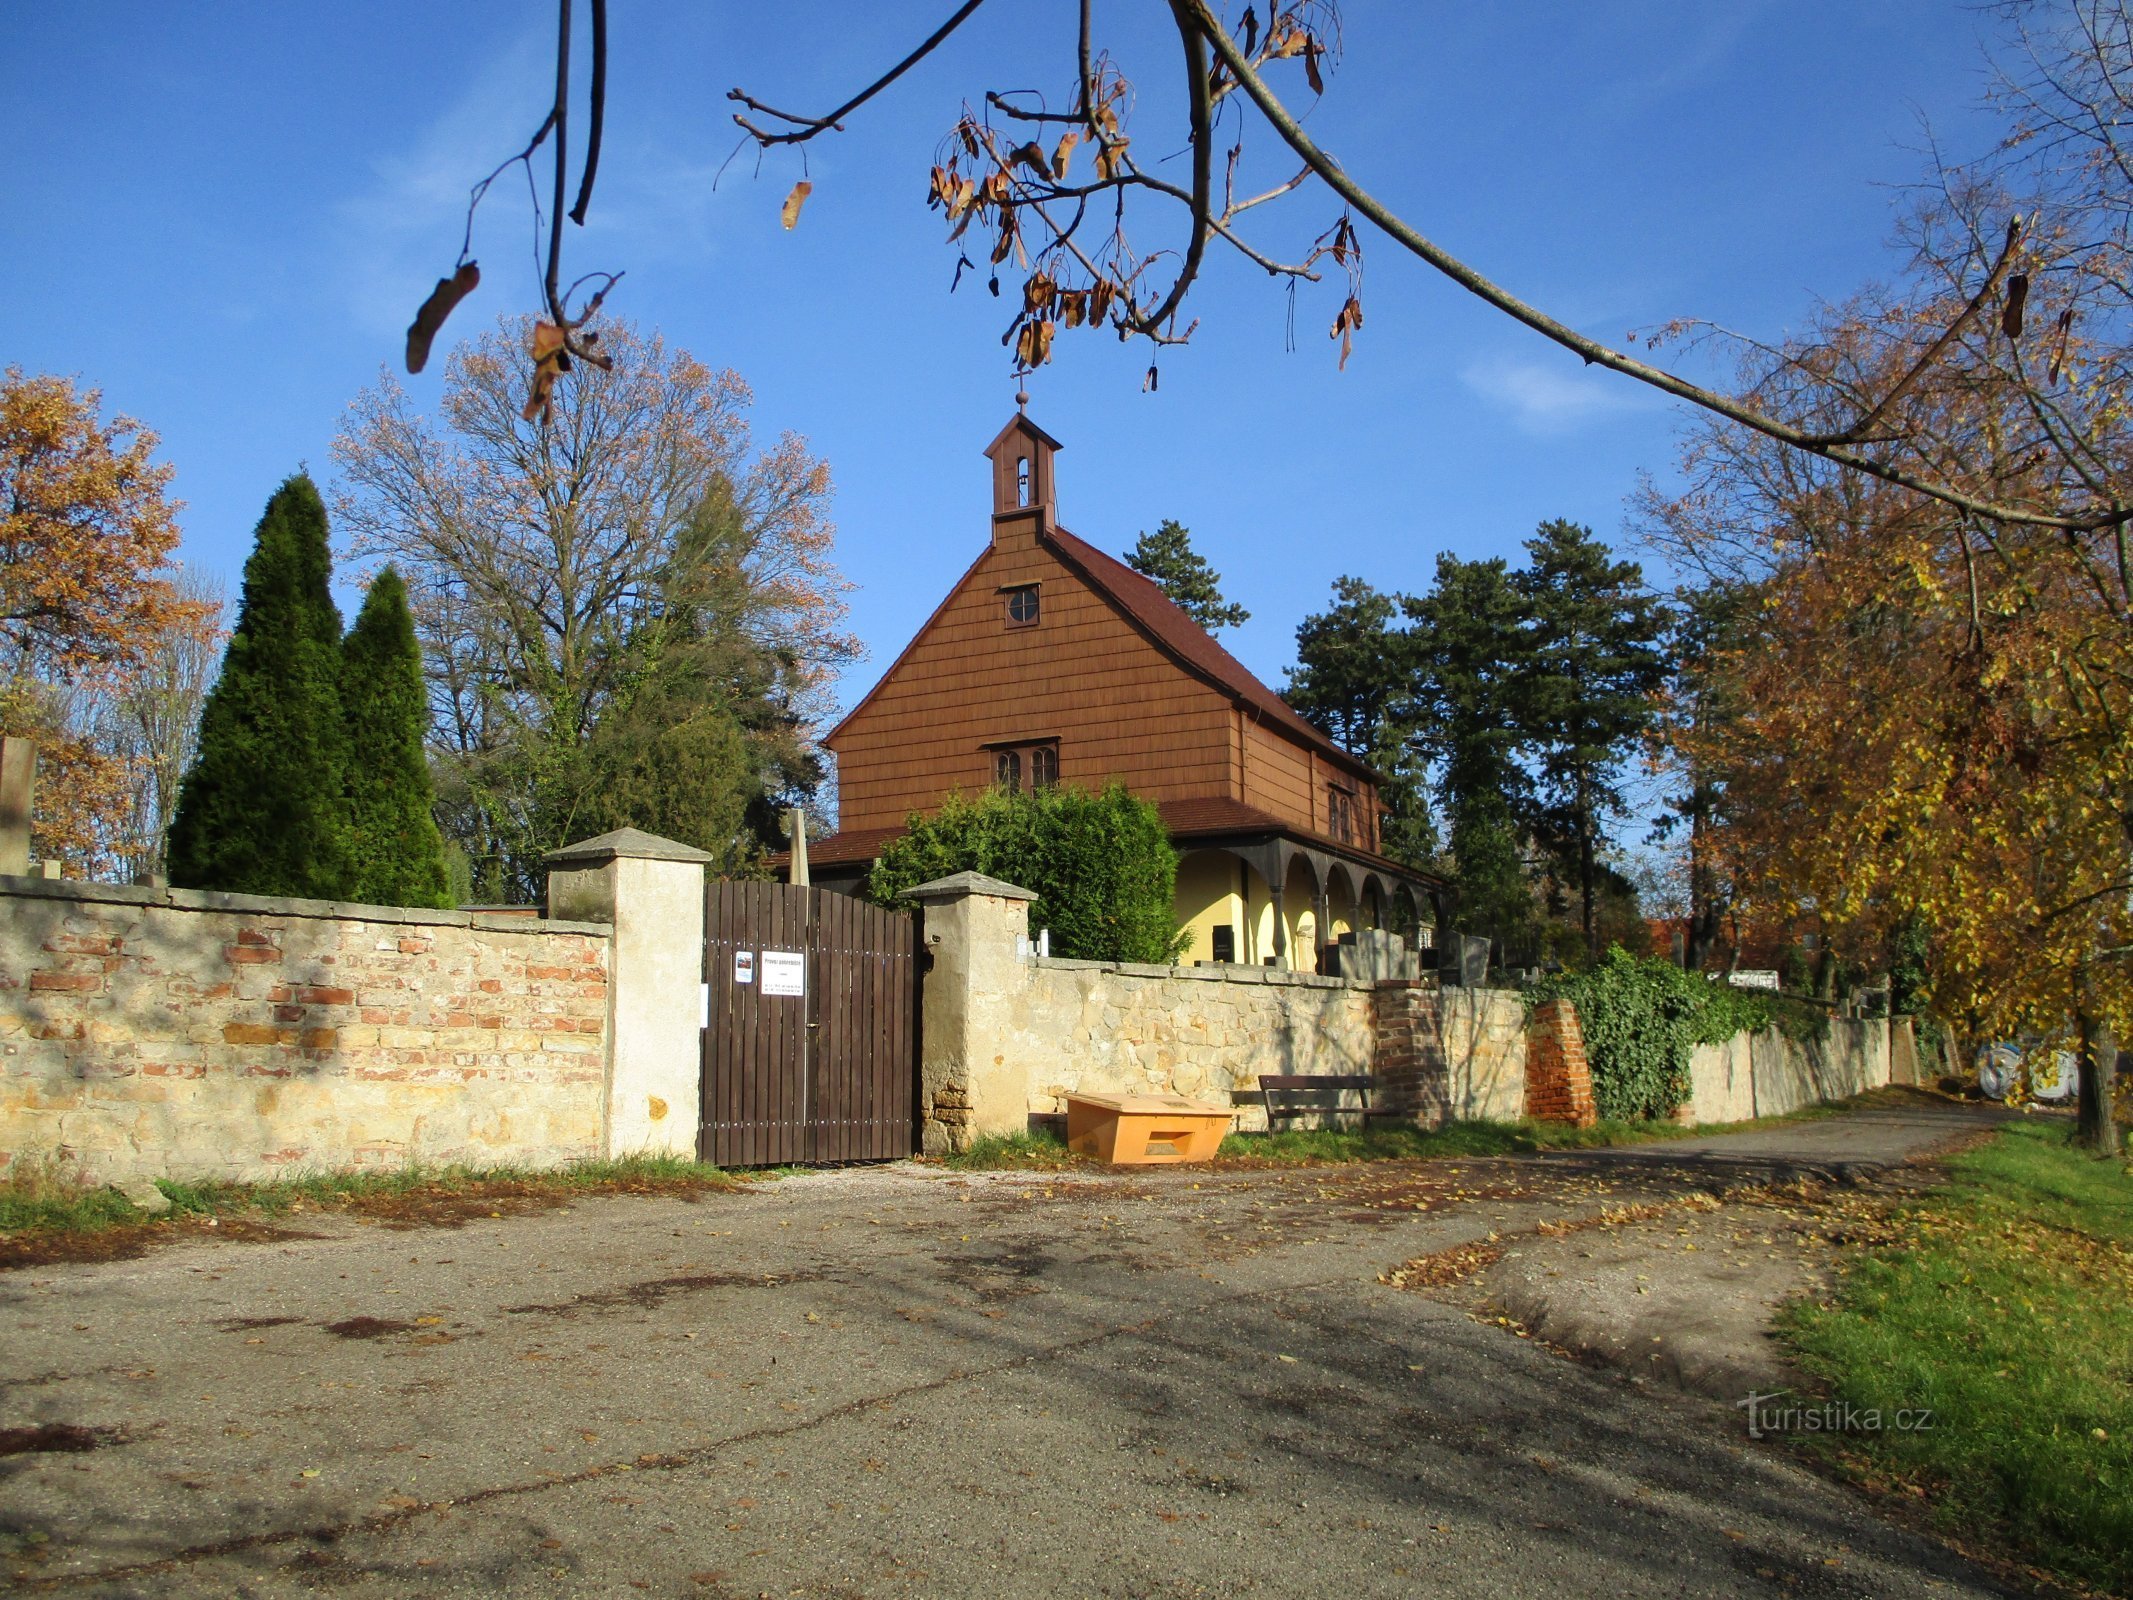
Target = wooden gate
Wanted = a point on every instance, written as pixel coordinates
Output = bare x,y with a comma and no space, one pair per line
810,1027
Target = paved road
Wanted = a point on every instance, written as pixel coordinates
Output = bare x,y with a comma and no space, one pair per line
893,1383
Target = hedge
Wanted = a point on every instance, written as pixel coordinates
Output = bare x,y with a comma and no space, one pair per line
1100,865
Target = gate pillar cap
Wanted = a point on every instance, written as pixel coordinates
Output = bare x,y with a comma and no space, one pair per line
959,884
632,844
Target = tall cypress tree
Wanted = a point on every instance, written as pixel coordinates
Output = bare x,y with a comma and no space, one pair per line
263,809
396,853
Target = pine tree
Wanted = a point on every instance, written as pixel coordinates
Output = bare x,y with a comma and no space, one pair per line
1168,557
264,809
396,853
1350,666
1597,662
1470,708
1351,681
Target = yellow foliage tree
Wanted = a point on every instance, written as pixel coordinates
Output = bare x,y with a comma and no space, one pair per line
89,608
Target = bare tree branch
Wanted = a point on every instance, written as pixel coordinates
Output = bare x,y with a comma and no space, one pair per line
597,114
1593,351
806,128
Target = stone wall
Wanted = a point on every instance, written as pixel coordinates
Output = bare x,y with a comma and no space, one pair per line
1208,1033
1721,1083
1484,1041
1768,1075
1849,1057
154,1032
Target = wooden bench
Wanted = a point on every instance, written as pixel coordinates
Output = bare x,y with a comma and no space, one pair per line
1289,1095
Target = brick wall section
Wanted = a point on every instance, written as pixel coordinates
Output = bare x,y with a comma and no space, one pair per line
1558,1079
1414,1077
153,1032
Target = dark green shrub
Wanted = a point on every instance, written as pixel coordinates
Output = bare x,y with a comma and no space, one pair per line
1641,1020
264,807
396,854
1100,865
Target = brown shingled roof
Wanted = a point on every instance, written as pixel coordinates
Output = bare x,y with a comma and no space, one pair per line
844,847
1165,622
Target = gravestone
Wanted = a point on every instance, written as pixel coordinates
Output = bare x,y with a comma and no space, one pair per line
1466,958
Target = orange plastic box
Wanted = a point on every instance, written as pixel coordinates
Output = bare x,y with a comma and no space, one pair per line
1137,1129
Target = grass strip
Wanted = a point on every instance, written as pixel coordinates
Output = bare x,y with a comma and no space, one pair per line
1041,1150
44,1205
2004,1306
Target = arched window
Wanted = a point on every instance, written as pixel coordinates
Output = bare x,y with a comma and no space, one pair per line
1022,481
1034,764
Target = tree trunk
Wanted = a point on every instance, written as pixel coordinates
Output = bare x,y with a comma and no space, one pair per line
1706,915
1826,971
2097,1126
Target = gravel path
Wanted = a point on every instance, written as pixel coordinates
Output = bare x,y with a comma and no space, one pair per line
896,1382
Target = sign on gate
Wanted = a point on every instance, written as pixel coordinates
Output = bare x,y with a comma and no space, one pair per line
784,972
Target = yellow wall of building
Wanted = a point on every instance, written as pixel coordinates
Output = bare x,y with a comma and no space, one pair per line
1216,890
1207,899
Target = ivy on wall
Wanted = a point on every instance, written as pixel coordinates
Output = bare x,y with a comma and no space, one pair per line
1642,1018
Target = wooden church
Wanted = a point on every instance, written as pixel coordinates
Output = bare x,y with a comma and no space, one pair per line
1051,662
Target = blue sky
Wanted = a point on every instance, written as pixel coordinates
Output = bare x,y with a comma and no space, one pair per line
225,215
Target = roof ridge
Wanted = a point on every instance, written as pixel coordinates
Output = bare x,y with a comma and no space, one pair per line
1186,639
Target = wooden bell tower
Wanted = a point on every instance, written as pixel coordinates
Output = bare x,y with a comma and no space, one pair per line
1022,484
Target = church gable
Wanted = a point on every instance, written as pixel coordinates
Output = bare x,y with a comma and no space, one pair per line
1024,657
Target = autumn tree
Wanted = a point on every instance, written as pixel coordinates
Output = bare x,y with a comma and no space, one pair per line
1928,730
90,601
395,853
621,596
264,807
147,721
1167,556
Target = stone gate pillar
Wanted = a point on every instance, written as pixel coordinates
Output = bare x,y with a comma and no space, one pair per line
976,931
651,892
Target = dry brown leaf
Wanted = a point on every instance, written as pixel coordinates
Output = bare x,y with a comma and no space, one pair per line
2017,298
549,356
790,212
1344,326
422,332
1063,152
